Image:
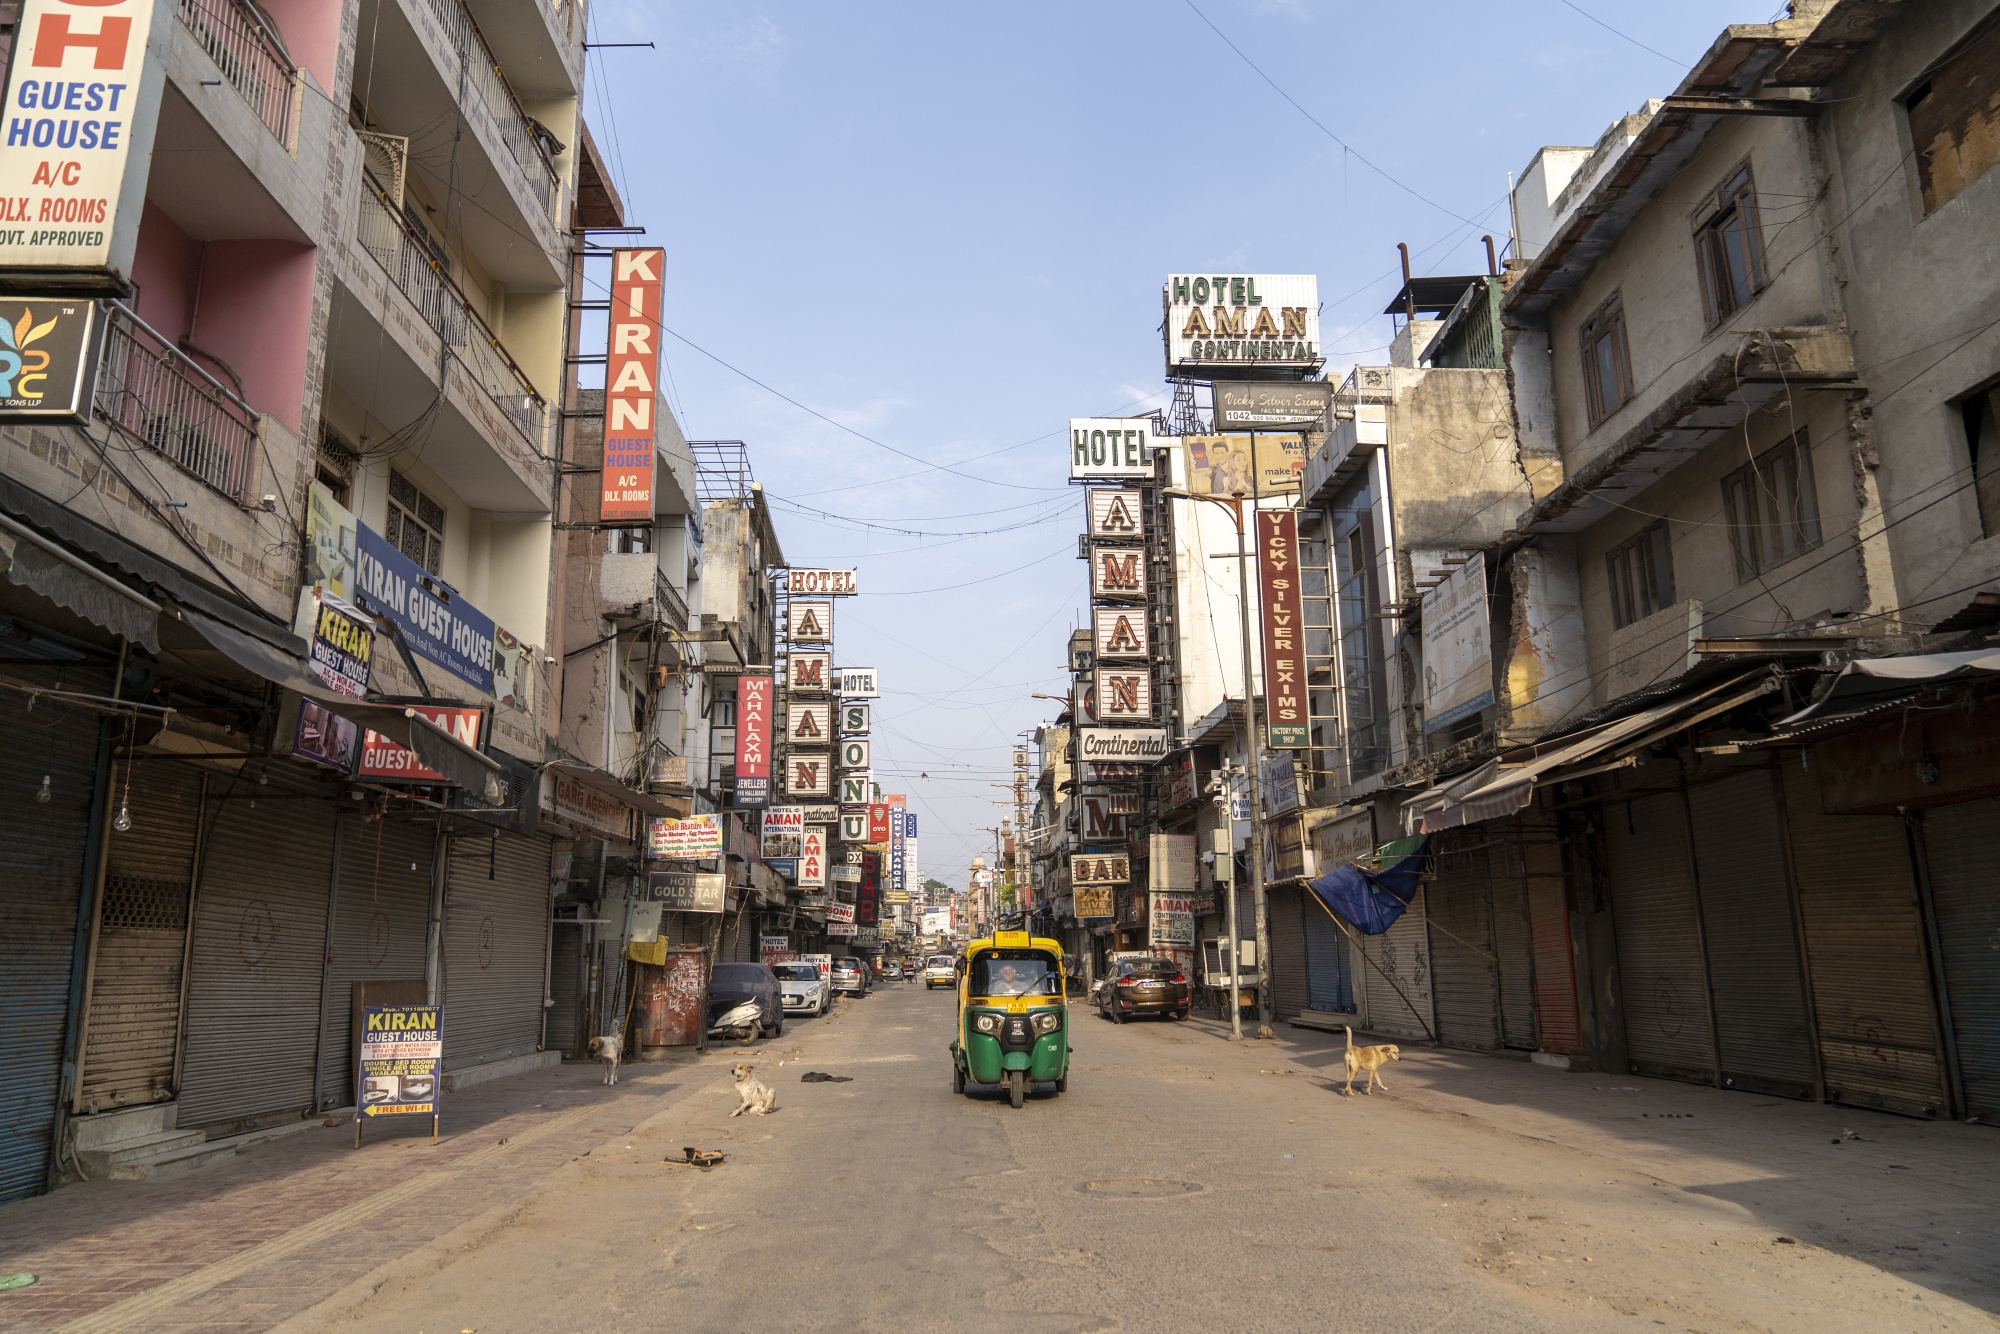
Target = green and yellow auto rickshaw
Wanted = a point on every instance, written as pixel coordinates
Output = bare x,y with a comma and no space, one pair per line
1013,1018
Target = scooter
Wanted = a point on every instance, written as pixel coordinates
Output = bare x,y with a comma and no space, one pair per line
744,1022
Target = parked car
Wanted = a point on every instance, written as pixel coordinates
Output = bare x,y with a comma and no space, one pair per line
733,986
892,970
802,989
851,976
1145,986
941,970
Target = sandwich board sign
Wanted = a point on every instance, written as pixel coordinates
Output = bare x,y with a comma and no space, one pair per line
400,1063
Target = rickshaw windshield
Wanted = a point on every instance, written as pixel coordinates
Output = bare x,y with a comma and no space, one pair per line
1014,973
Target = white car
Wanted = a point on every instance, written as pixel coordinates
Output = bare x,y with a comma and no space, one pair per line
802,988
941,970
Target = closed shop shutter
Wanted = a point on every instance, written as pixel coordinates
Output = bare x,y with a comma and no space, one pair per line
1510,940
1754,981
1462,966
41,886
381,926
1546,888
566,990
1865,955
1403,953
1329,968
1962,846
1288,953
133,1026
1659,938
496,933
259,955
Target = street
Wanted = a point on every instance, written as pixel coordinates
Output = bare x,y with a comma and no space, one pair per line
1181,1183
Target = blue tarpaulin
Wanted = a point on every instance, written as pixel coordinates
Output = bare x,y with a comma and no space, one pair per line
1371,901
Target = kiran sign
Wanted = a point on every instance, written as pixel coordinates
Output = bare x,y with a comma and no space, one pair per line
631,385
1241,319
383,758
436,623
1109,448
753,740
1285,722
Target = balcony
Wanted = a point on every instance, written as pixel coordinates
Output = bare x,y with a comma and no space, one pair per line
483,80
154,395
249,56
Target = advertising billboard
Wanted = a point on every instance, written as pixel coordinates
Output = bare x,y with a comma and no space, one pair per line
437,624
1285,722
813,842
1109,448
631,385
383,758
1458,655
1241,320
691,839
1249,405
1221,465
753,740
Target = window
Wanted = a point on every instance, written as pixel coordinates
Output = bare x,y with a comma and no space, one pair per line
1729,249
416,523
1607,362
1982,443
1955,119
1642,576
334,466
1772,511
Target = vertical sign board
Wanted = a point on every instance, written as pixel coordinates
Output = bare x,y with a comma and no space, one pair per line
79,117
897,834
631,385
1458,656
1285,724
868,898
878,822
402,1053
812,856
753,740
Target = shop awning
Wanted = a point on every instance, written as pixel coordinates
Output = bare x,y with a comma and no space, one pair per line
1496,789
1868,682
599,781
435,748
43,566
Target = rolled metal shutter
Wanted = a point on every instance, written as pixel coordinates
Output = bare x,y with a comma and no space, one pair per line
1510,939
380,925
496,933
1865,955
1403,953
565,1024
1288,953
41,886
1466,981
1546,888
1329,970
259,955
132,1028
1660,969
1962,847
1762,1033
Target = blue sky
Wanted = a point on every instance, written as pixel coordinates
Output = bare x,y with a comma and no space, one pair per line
944,227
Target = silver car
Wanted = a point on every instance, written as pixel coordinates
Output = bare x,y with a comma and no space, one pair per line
802,988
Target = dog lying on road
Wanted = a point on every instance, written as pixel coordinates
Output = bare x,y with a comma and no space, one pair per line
1371,1060
755,1098
608,1049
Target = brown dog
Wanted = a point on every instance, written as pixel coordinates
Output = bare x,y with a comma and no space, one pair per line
1370,1059
608,1049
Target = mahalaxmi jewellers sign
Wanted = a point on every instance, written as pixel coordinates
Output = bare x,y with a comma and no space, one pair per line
1131,745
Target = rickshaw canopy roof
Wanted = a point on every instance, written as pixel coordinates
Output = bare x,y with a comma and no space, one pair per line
1012,940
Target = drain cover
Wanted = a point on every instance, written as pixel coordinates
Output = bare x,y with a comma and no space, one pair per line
1139,1188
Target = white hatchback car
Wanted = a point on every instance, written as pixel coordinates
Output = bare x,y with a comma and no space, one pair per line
941,970
802,988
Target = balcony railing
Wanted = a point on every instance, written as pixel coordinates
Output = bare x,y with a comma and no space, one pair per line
668,604
413,266
482,73
153,393
249,56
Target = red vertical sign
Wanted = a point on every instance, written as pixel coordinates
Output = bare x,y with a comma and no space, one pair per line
753,741
1285,721
868,897
631,385
878,822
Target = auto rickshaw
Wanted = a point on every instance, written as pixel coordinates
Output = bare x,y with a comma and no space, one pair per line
1013,1018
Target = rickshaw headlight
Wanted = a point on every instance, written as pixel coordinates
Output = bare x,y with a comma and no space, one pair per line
986,1023
1048,1021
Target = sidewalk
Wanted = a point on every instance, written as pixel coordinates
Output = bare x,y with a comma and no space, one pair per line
1909,1197
248,1243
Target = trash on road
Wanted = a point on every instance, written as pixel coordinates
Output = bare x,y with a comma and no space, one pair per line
16,1281
822,1077
693,1157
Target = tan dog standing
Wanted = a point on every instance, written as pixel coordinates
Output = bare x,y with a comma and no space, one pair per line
1370,1059
756,1098
608,1049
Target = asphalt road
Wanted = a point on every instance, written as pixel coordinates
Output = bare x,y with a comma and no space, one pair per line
1180,1184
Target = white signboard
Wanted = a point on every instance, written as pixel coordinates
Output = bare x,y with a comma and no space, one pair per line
1110,447
1120,632
854,719
809,622
807,775
784,820
854,829
79,114
1115,513
1241,320
808,673
821,583
858,683
1117,572
1170,863
1132,745
857,789
1458,655
1125,694
822,814
854,753
809,724
1173,920
812,856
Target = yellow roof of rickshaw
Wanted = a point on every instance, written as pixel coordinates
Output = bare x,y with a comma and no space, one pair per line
1013,940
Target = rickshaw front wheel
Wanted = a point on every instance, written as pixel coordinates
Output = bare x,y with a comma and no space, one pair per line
957,1078
1062,1082
1017,1087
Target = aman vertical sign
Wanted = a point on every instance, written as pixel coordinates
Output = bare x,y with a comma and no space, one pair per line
1284,618
631,386
77,143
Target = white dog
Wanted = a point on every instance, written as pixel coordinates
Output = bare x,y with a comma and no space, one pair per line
1370,1059
755,1098
608,1049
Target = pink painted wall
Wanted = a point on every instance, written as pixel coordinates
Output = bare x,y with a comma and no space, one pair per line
165,268
311,31
256,315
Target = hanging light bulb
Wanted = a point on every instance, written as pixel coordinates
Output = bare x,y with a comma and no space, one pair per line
124,820
44,794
